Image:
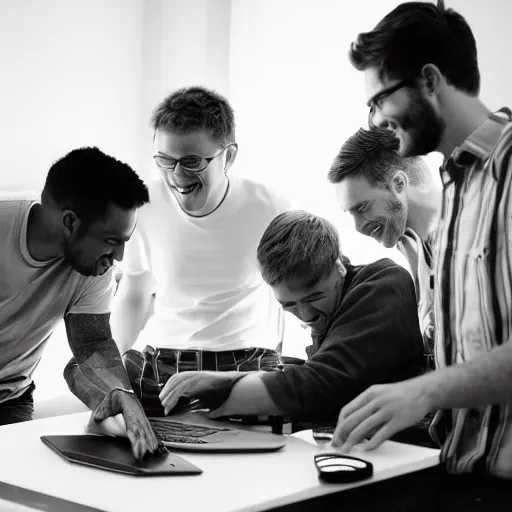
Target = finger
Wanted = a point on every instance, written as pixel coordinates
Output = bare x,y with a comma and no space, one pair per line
119,418
171,383
185,387
361,431
101,413
152,440
357,403
383,434
171,400
217,413
346,424
134,443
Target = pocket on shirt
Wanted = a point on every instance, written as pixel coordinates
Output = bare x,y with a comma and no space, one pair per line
475,321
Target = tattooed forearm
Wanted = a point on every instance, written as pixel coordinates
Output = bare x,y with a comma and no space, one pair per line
97,366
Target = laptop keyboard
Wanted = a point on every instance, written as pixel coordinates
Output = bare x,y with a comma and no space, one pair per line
174,432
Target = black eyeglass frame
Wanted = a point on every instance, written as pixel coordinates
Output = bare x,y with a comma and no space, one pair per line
385,93
174,162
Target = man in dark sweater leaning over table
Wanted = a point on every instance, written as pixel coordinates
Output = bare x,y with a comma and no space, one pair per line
363,321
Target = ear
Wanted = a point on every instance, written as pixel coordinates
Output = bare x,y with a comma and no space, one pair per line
231,153
433,78
399,182
342,269
71,224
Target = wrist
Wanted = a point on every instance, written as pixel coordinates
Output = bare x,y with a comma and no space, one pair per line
119,390
429,392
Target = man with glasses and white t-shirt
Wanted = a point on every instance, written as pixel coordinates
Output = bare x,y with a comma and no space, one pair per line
194,253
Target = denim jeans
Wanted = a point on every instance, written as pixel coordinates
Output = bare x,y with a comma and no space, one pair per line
150,369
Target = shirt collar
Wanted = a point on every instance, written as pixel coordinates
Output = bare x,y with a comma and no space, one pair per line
477,147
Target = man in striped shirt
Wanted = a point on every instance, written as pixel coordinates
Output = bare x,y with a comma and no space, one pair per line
422,81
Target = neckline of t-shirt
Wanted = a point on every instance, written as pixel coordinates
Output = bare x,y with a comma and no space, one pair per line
23,241
215,214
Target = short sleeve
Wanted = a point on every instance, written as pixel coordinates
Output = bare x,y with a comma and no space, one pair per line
95,297
136,254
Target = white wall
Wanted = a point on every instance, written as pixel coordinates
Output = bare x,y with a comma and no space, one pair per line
297,98
71,76
186,43
79,73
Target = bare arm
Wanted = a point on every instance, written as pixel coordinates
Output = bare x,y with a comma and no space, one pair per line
387,409
485,381
249,396
131,309
97,367
94,374
225,393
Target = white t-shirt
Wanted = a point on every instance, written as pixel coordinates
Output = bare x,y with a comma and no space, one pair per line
209,290
34,296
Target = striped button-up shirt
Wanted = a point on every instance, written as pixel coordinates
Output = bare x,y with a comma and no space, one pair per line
473,290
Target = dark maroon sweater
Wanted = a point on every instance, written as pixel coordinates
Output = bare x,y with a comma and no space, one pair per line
373,338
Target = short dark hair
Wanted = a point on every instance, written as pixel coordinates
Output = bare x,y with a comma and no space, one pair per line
374,153
196,108
418,33
298,246
87,180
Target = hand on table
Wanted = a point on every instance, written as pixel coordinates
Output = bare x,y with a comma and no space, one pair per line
380,412
134,421
111,426
212,388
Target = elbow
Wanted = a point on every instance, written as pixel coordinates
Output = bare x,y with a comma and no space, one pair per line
70,372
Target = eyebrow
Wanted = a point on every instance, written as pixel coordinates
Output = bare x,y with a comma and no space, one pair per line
117,237
185,156
310,296
377,96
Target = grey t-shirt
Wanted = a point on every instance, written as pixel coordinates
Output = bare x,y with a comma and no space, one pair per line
34,296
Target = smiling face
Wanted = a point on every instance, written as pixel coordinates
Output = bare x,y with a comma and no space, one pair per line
198,193
313,305
405,110
378,212
92,248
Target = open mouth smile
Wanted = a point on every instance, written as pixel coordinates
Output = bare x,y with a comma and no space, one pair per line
187,189
313,320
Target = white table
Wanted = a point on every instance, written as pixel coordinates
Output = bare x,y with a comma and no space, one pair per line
230,482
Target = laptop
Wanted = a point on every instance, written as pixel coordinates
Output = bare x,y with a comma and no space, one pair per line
115,454
194,431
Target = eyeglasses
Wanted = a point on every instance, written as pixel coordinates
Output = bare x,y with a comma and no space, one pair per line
191,163
376,101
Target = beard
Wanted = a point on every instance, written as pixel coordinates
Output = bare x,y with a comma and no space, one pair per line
397,222
423,127
73,257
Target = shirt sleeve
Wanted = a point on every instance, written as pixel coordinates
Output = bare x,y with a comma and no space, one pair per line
375,338
95,297
136,259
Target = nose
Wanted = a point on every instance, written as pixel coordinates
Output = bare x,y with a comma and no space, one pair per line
179,171
359,222
376,119
119,252
305,312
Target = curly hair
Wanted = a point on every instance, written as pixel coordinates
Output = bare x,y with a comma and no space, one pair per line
192,109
